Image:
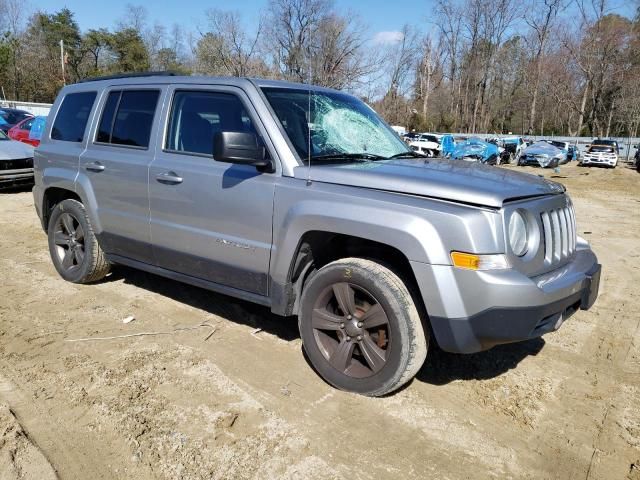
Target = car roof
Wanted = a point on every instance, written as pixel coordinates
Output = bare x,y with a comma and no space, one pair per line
164,78
14,110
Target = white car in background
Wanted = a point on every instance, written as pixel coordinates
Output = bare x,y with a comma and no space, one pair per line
605,155
16,162
427,143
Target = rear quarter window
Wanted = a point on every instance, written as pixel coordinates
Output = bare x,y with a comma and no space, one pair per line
73,115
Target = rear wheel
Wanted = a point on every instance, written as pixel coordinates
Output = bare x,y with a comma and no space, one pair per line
360,327
73,246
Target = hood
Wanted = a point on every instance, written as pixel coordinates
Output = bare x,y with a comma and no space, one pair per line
12,150
543,152
457,181
542,148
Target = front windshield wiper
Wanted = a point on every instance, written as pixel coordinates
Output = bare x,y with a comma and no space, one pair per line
348,156
408,153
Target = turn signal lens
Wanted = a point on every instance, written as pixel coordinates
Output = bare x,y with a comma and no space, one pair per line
471,261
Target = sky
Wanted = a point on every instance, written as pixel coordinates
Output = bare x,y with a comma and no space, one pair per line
379,15
384,18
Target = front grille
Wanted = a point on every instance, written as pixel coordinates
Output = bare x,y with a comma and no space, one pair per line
16,164
559,227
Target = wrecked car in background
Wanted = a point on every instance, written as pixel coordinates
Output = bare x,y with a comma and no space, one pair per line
427,144
512,149
542,154
605,155
607,142
476,150
573,153
563,147
433,144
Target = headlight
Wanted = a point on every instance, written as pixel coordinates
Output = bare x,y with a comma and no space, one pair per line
518,235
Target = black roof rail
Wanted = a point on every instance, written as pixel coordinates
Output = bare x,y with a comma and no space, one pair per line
130,75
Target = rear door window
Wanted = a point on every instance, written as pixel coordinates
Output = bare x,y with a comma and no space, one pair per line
73,115
127,118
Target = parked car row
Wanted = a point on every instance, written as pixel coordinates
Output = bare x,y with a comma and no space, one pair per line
9,117
21,125
509,149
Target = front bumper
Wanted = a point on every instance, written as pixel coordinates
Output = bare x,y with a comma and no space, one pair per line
478,310
599,160
17,176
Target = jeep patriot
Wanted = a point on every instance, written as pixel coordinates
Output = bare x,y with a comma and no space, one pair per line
301,199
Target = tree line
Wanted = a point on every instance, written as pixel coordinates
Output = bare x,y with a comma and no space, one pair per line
564,67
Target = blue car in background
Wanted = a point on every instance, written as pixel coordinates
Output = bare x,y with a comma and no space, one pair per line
447,145
563,147
476,150
574,153
37,127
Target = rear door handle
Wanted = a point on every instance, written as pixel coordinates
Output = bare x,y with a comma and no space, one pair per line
169,178
94,167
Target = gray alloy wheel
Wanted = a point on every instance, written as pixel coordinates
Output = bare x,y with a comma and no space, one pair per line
68,238
360,327
351,329
73,246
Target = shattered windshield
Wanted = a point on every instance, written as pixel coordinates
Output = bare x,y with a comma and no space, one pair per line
333,126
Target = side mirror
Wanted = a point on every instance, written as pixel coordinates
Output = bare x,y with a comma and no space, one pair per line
239,147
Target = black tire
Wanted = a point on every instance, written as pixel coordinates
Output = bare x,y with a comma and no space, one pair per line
400,344
73,246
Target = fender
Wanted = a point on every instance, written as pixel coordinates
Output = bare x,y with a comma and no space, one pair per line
85,192
411,235
424,230
361,221
51,177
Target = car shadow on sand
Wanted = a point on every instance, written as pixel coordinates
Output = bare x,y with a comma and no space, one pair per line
229,308
12,189
441,367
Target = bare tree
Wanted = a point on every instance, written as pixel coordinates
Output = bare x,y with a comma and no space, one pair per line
429,65
540,18
227,46
135,17
400,59
293,25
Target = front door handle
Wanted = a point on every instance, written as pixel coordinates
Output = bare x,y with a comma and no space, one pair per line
169,178
94,167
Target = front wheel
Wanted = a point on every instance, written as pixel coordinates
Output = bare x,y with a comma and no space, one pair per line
74,248
360,327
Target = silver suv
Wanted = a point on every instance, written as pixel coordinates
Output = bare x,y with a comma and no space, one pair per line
302,199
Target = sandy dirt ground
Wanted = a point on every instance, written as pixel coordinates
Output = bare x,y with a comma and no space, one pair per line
211,396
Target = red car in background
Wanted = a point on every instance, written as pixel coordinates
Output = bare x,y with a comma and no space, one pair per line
20,132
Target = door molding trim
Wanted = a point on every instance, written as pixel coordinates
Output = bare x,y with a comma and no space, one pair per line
196,282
